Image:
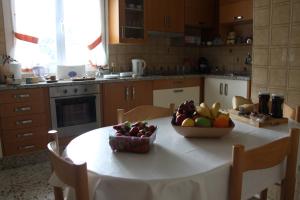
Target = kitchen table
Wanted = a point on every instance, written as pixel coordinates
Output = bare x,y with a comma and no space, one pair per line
176,168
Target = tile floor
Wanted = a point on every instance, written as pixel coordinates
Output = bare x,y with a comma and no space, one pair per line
26,183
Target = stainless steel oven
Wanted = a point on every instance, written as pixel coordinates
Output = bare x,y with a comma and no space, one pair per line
75,109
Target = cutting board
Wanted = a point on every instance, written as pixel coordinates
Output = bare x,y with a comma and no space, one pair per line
269,122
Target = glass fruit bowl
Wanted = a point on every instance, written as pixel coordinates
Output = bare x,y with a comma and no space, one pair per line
126,139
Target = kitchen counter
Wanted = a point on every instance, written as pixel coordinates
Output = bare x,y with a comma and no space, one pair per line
101,80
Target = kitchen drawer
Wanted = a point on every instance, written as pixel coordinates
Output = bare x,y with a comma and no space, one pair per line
20,135
12,148
24,121
25,108
22,95
175,83
163,98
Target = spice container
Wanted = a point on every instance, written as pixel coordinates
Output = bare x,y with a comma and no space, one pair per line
277,102
263,107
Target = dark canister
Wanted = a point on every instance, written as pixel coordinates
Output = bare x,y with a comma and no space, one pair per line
277,106
263,106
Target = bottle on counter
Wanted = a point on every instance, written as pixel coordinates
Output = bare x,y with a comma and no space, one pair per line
277,106
263,106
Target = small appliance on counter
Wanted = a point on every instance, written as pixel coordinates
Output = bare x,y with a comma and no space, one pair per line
203,65
138,66
71,71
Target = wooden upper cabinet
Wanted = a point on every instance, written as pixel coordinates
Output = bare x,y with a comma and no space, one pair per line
126,20
200,13
165,15
235,11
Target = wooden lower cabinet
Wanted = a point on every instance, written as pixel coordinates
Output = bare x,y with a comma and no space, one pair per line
126,95
24,120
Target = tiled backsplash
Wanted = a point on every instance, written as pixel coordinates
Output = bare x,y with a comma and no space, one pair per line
276,51
161,56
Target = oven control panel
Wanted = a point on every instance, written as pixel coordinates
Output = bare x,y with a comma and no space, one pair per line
74,90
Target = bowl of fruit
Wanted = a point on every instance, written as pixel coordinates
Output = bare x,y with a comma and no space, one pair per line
134,137
201,121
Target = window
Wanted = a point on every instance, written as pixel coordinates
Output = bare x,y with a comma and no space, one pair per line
55,32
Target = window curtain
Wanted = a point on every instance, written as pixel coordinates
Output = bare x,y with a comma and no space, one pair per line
56,32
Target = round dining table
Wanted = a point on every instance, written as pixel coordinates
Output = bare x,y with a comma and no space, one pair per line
175,168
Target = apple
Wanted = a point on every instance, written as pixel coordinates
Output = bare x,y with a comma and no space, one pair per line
180,118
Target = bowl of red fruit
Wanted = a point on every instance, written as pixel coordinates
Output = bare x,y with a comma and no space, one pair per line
136,137
201,121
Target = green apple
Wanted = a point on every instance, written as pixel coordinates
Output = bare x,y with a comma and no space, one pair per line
203,122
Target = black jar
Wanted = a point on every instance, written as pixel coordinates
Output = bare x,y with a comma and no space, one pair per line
277,106
263,106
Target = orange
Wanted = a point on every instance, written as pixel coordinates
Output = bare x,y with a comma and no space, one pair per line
222,121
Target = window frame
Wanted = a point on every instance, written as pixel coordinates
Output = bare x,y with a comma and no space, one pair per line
9,29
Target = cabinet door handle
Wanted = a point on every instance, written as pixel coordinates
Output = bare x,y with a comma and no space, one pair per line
21,135
221,89
23,109
133,93
226,89
127,93
21,96
178,91
27,147
23,122
238,18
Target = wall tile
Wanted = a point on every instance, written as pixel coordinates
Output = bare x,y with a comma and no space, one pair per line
294,79
278,56
255,91
281,13
295,34
260,76
261,17
296,13
260,56
294,57
293,98
261,37
279,1
278,78
260,3
280,35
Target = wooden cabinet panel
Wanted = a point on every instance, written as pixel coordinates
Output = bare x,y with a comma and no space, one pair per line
200,13
165,15
26,121
26,134
156,16
141,93
126,95
17,109
12,148
230,11
23,95
115,95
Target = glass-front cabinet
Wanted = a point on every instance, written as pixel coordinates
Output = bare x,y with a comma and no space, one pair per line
127,21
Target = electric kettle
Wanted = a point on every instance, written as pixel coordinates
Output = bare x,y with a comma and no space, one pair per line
138,66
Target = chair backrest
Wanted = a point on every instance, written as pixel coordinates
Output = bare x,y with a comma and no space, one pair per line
144,112
264,157
69,173
292,113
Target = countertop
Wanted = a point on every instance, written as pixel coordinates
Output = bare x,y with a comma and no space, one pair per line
101,80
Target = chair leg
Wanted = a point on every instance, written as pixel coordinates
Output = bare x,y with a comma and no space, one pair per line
58,193
264,194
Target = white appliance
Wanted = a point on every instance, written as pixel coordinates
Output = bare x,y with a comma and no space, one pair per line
164,97
67,72
138,66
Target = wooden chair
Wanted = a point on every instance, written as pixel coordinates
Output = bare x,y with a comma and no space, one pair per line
292,113
264,157
74,175
144,112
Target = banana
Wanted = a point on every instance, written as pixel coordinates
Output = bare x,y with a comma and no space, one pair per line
204,112
215,110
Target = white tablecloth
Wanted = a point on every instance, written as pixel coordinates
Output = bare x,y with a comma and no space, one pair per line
176,168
